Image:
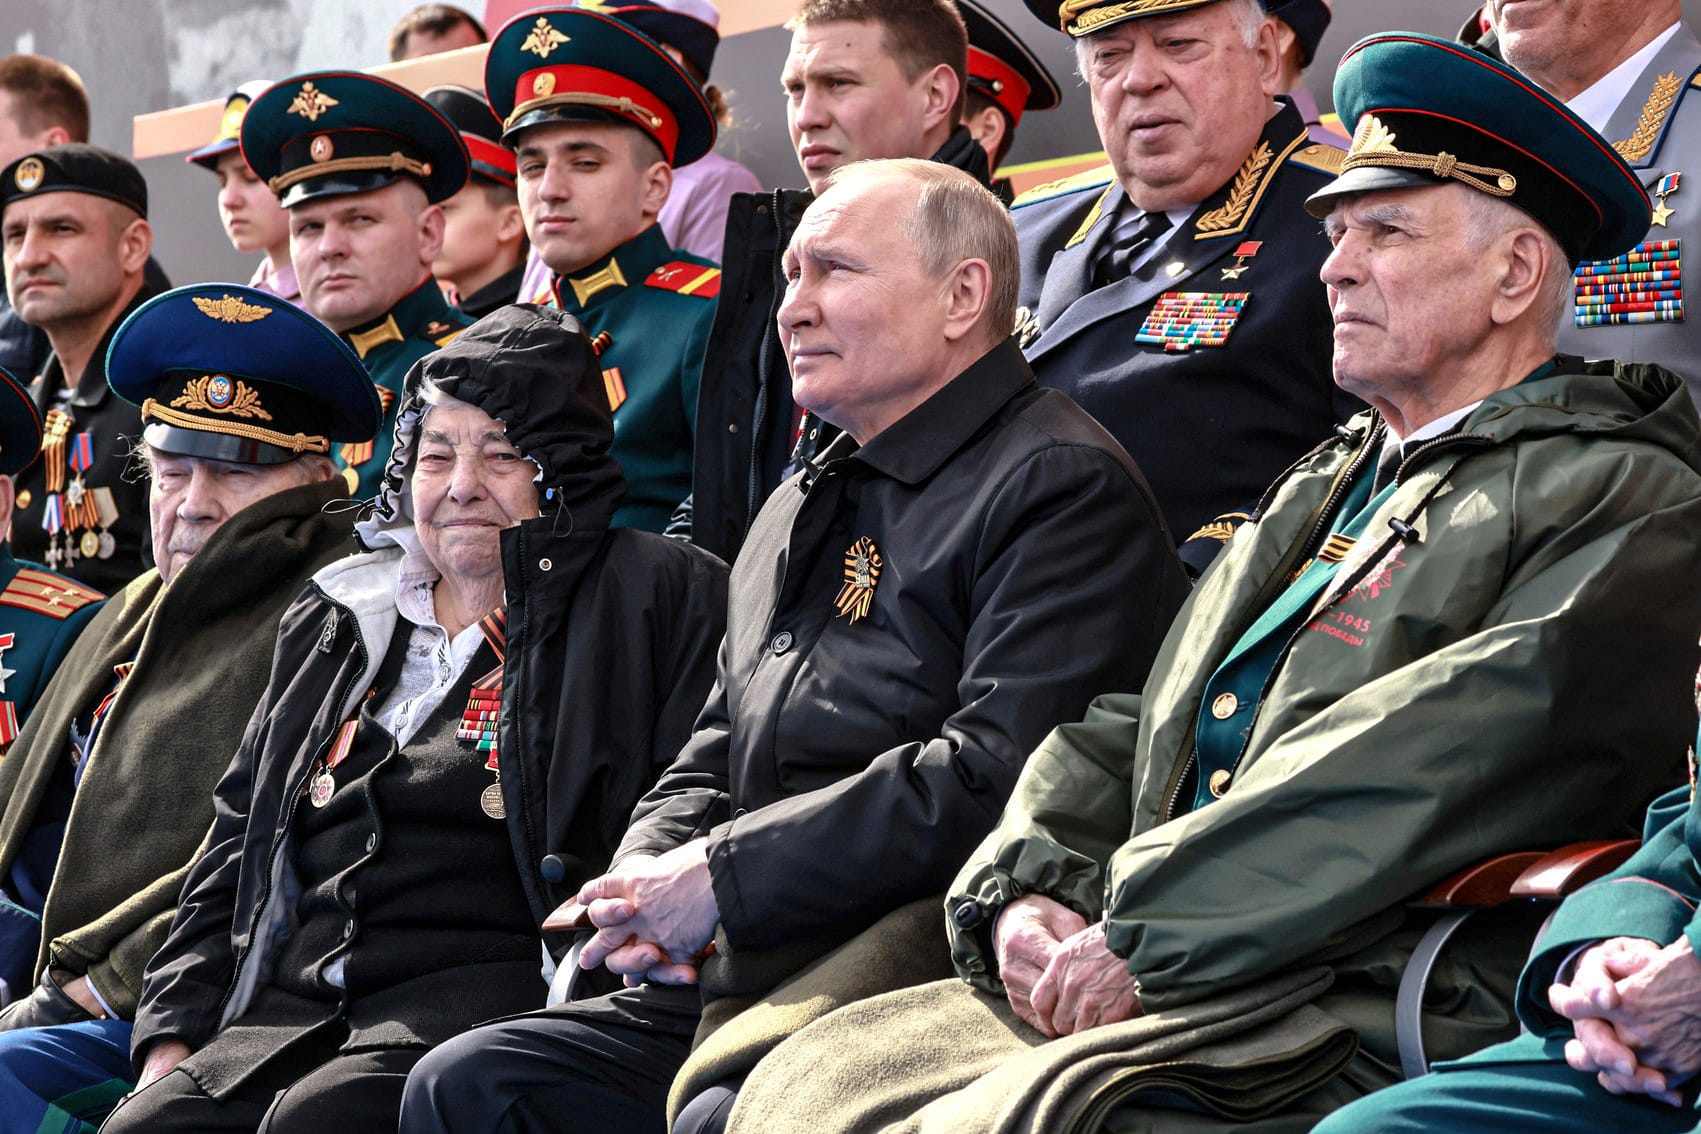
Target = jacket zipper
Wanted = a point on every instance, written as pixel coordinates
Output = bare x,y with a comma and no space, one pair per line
289,814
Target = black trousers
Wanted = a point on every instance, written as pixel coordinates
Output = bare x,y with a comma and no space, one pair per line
598,1066
355,1091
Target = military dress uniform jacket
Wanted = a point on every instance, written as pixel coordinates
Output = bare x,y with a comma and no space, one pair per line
202,649
851,755
417,325
1213,424
1459,691
1657,129
115,427
647,308
610,645
747,420
41,614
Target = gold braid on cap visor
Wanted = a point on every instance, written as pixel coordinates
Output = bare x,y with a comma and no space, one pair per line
294,442
1442,164
394,163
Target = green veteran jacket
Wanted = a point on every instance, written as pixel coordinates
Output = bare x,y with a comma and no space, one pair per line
647,308
1503,660
418,324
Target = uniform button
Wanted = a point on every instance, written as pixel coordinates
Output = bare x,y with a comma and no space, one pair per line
781,642
968,913
371,843
1220,782
732,427
544,564
348,928
1224,706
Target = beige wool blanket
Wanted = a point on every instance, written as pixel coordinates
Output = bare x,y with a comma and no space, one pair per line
944,1058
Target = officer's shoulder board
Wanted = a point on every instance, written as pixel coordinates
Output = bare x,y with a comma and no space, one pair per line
1320,156
440,333
700,280
45,593
1096,178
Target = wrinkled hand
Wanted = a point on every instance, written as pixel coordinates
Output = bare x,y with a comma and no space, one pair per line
1027,933
1085,985
162,1058
1636,1011
655,917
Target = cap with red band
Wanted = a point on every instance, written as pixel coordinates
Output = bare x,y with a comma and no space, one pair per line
1002,68
575,65
469,113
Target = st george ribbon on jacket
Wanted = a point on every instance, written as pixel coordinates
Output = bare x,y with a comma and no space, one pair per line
1133,236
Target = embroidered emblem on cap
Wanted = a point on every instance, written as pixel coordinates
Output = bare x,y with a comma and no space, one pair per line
543,39
230,309
544,85
213,393
321,148
862,575
1645,285
1181,320
310,102
30,174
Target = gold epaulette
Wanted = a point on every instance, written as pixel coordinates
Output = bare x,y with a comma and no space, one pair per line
448,338
1320,156
48,594
1094,178
434,331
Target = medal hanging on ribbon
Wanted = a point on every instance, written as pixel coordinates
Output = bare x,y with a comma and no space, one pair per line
323,785
105,515
55,428
52,519
79,513
481,721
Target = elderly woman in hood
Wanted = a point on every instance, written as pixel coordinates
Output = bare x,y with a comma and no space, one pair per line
458,724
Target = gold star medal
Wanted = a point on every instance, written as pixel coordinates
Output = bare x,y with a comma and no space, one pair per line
862,575
1666,187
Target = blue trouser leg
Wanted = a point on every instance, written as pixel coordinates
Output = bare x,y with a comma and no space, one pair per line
63,1079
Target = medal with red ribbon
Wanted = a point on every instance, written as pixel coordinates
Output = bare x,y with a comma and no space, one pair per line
324,785
481,721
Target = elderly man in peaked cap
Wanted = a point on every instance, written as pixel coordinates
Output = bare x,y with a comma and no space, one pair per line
242,396
363,166
1411,657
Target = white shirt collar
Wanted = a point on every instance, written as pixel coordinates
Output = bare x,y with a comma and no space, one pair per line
1597,104
1434,429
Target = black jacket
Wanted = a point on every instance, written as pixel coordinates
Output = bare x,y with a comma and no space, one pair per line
745,415
610,642
842,768
1210,426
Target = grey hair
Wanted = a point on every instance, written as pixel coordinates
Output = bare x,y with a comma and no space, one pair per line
1490,217
1249,16
431,395
954,219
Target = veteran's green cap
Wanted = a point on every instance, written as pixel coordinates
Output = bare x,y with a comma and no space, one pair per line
1428,111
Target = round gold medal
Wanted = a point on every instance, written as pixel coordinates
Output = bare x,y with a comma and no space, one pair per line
490,799
89,545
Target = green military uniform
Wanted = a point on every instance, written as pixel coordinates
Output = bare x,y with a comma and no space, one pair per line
412,329
1410,658
338,133
647,306
641,294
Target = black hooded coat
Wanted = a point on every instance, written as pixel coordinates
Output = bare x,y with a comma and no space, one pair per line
611,640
